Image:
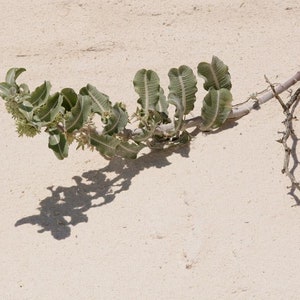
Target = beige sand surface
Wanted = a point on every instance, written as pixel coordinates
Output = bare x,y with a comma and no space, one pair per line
213,221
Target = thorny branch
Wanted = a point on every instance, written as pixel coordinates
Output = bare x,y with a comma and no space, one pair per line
288,110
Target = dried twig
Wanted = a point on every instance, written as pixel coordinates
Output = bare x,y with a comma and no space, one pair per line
288,110
255,101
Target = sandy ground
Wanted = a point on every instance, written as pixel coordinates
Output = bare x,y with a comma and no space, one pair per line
211,221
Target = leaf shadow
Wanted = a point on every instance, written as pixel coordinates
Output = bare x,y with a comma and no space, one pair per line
67,207
229,124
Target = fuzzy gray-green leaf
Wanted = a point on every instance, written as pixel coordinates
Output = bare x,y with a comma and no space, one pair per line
129,150
216,108
162,104
5,90
12,74
40,95
69,98
146,84
215,74
175,100
26,108
100,101
51,109
79,113
144,135
105,144
183,85
58,143
24,89
117,120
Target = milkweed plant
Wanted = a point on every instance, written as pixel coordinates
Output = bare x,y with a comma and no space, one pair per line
91,120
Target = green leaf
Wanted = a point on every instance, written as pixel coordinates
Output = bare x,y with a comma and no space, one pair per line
117,121
162,104
146,84
175,100
144,135
183,85
51,109
12,74
40,95
58,143
26,108
100,101
24,89
105,144
69,98
129,150
79,113
216,74
147,132
5,90
216,108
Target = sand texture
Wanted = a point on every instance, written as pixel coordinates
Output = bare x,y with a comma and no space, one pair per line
212,220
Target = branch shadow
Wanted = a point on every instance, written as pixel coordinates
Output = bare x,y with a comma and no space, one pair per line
67,207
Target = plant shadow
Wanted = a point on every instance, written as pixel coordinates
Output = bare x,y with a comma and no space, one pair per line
67,207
